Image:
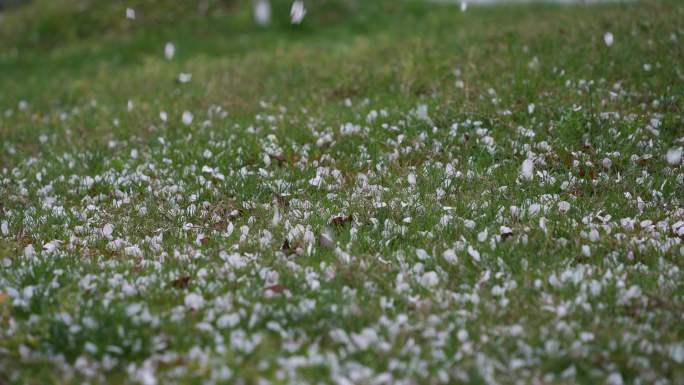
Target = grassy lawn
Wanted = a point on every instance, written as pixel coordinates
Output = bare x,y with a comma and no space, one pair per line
392,192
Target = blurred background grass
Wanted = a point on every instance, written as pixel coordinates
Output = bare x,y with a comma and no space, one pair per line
62,56
52,23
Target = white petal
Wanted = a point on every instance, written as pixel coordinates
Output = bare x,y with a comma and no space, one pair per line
608,39
169,50
527,169
474,253
674,156
187,118
107,229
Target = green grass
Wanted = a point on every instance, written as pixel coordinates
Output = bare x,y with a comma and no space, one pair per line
423,284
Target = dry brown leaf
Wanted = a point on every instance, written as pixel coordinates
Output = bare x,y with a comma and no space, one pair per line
341,220
181,282
277,288
283,201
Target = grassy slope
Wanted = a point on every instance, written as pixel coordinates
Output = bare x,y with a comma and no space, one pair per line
78,66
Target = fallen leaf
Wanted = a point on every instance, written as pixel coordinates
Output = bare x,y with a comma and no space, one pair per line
278,288
286,248
283,201
181,282
341,220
